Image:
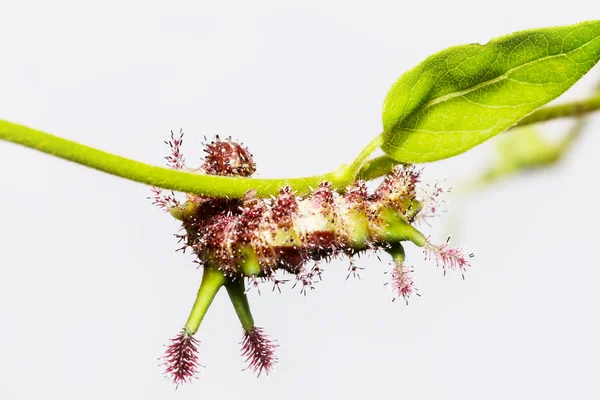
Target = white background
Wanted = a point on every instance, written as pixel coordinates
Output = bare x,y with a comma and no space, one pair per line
91,288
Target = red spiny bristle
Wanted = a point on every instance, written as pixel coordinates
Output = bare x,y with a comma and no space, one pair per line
259,351
402,180
254,283
306,278
277,283
162,199
285,207
357,192
175,160
181,358
447,257
402,283
353,270
410,174
432,203
248,222
323,195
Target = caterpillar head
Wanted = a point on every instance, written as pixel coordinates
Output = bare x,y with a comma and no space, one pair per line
227,158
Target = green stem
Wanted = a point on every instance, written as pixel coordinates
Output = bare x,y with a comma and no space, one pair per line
212,280
208,185
396,250
574,133
220,186
376,167
352,171
573,109
237,293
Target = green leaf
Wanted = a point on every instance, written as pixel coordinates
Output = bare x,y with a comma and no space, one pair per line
464,95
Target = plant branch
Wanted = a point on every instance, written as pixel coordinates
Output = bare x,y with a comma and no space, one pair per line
354,169
572,109
219,186
187,182
376,167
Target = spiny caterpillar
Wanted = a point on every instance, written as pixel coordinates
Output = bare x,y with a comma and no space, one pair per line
263,239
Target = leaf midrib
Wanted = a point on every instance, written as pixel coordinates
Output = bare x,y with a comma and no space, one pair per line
505,75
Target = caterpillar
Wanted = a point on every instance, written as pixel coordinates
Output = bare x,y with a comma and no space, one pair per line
260,240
